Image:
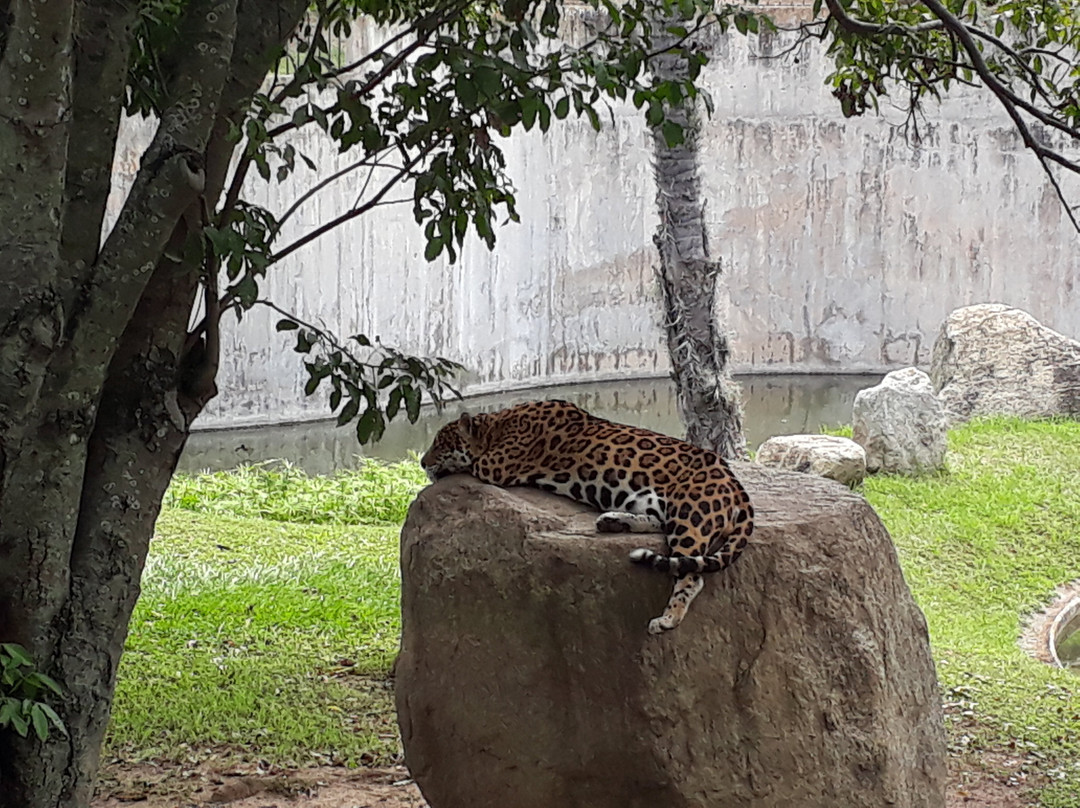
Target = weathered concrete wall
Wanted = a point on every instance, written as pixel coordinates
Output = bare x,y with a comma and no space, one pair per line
844,246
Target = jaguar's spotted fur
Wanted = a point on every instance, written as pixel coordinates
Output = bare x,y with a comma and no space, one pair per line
643,481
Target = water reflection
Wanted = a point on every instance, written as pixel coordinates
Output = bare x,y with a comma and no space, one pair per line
775,405
1067,644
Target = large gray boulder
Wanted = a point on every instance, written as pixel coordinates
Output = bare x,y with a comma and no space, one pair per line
801,678
831,456
992,359
901,424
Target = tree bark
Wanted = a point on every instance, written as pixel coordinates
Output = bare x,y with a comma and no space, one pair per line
102,48
35,71
114,378
691,284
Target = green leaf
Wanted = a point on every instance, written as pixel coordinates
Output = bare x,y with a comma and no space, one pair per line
50,713
393,403
287,325
47,682
433,248
20,724
466,90
370,425
17,653
348,412
412,403
40,722
9,708
673,133
529,108
655,114
594,119
246,291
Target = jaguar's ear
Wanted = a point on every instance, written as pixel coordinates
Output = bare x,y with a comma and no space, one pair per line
473,431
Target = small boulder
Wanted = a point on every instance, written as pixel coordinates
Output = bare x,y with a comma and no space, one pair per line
991,359
901,424
839,459
802,676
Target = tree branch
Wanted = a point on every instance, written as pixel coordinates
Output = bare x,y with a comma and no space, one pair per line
103,38
357,211
1010,102
310,192
869,29
172,176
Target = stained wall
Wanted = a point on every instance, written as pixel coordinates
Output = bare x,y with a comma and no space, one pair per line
844,245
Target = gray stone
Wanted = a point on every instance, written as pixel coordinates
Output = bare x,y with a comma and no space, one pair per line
801,678
839,459
992,359
901,424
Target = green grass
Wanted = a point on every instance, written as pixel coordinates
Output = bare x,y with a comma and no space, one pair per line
982,546
372,494
272,630
270,613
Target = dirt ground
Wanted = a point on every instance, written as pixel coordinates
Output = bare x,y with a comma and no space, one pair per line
990,781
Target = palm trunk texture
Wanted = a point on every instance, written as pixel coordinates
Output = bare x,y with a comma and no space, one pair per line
691,286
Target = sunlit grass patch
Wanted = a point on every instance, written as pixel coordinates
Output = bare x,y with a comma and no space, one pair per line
374,492
268,636
982,546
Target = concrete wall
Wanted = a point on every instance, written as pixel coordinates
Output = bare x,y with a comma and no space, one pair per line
844,246
847,244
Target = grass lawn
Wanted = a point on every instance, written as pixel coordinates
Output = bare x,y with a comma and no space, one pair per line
269,619
982,546
269,615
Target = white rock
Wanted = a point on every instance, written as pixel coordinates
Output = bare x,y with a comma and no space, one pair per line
992,359
838,459
901,424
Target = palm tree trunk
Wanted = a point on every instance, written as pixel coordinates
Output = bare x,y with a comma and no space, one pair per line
690,282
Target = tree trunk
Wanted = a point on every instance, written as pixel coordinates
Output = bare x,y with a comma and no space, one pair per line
690,282
99,379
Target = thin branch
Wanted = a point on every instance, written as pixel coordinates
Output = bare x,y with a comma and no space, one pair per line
1009,101
352,214
315,189
324,332
367,182
863,28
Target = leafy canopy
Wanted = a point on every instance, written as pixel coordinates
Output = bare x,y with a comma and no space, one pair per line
1025,52
419,118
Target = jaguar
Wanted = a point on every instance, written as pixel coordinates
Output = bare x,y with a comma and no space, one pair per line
642,481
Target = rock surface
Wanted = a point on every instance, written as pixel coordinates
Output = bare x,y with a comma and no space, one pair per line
992,359
801,678
901,424
839,459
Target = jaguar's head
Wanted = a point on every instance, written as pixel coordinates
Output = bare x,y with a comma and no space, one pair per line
455,448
